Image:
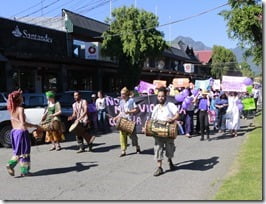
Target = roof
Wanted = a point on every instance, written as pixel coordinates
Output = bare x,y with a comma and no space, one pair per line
204,56
84,25
179,54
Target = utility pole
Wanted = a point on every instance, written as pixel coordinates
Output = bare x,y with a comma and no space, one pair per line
110,15
170,31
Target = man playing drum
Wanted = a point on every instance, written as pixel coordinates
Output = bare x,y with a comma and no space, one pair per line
127,108
164,111
80,114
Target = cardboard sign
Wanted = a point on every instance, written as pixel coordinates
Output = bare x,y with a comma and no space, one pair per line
159,83
202,84
235,84
249,104
181,82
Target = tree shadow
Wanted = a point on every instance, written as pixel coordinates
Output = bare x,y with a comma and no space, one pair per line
197,165
106,148
78,168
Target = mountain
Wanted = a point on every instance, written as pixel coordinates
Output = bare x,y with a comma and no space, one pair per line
239,52
198,45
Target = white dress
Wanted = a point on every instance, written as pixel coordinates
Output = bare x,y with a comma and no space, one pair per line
233,122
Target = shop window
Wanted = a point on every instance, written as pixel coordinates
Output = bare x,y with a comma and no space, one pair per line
24,79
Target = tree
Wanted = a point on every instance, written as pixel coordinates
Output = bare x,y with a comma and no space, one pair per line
244,22
246,70
132,38
223,60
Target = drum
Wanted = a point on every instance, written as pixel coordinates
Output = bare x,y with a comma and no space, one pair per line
77,129
54,125
160,129
125,125
80,131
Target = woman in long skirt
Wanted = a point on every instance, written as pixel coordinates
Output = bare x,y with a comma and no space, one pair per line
233,115
20,139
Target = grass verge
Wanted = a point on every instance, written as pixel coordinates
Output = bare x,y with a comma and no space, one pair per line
244,181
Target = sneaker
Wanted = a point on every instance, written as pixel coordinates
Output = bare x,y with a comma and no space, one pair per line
81,150
10,170
158,171
171,165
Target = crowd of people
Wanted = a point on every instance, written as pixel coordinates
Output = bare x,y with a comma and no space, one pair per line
217,107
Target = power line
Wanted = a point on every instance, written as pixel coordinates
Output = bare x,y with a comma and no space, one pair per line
172,22
27,9
48,5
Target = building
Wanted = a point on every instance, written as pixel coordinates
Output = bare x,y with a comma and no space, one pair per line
66,56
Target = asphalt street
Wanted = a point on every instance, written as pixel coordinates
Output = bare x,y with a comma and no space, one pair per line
103,175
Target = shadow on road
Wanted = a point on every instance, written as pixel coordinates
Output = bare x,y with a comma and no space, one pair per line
197,165
148,151
78,167
105,149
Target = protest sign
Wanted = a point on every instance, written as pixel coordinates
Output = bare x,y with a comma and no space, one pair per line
231,83
216,84
159,83
202,84
145,86
249,104
181,82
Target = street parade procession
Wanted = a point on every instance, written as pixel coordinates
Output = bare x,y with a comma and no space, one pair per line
164,113
131,100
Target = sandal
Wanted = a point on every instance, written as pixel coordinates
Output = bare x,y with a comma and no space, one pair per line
123,154
52,148
58,148
10,170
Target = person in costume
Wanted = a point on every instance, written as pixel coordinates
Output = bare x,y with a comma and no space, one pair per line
20,139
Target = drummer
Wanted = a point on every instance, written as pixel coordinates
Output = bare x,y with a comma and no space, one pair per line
80,114
128,107
164,111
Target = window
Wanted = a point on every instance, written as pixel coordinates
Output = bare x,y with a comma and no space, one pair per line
36,101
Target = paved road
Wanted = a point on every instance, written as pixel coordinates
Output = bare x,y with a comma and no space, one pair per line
102,175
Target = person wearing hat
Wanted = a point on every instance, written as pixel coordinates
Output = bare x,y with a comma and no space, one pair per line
51,122
128,107
203,106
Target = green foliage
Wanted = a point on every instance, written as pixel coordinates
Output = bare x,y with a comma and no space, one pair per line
132,38
223,60
246,70
244,22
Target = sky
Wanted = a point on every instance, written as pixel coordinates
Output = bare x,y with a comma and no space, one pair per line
209,28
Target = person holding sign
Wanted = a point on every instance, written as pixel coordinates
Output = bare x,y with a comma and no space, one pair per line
128,107
164,111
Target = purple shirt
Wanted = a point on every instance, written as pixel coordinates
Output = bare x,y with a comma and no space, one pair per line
203,104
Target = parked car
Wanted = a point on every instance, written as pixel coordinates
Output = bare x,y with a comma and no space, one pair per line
34,106
3,101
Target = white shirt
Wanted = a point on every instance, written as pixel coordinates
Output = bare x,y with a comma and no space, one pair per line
164,112
100,103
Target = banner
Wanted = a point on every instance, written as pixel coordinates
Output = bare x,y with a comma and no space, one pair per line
145,86
145,104
236,84
180,82
159,83
249,104
92,50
